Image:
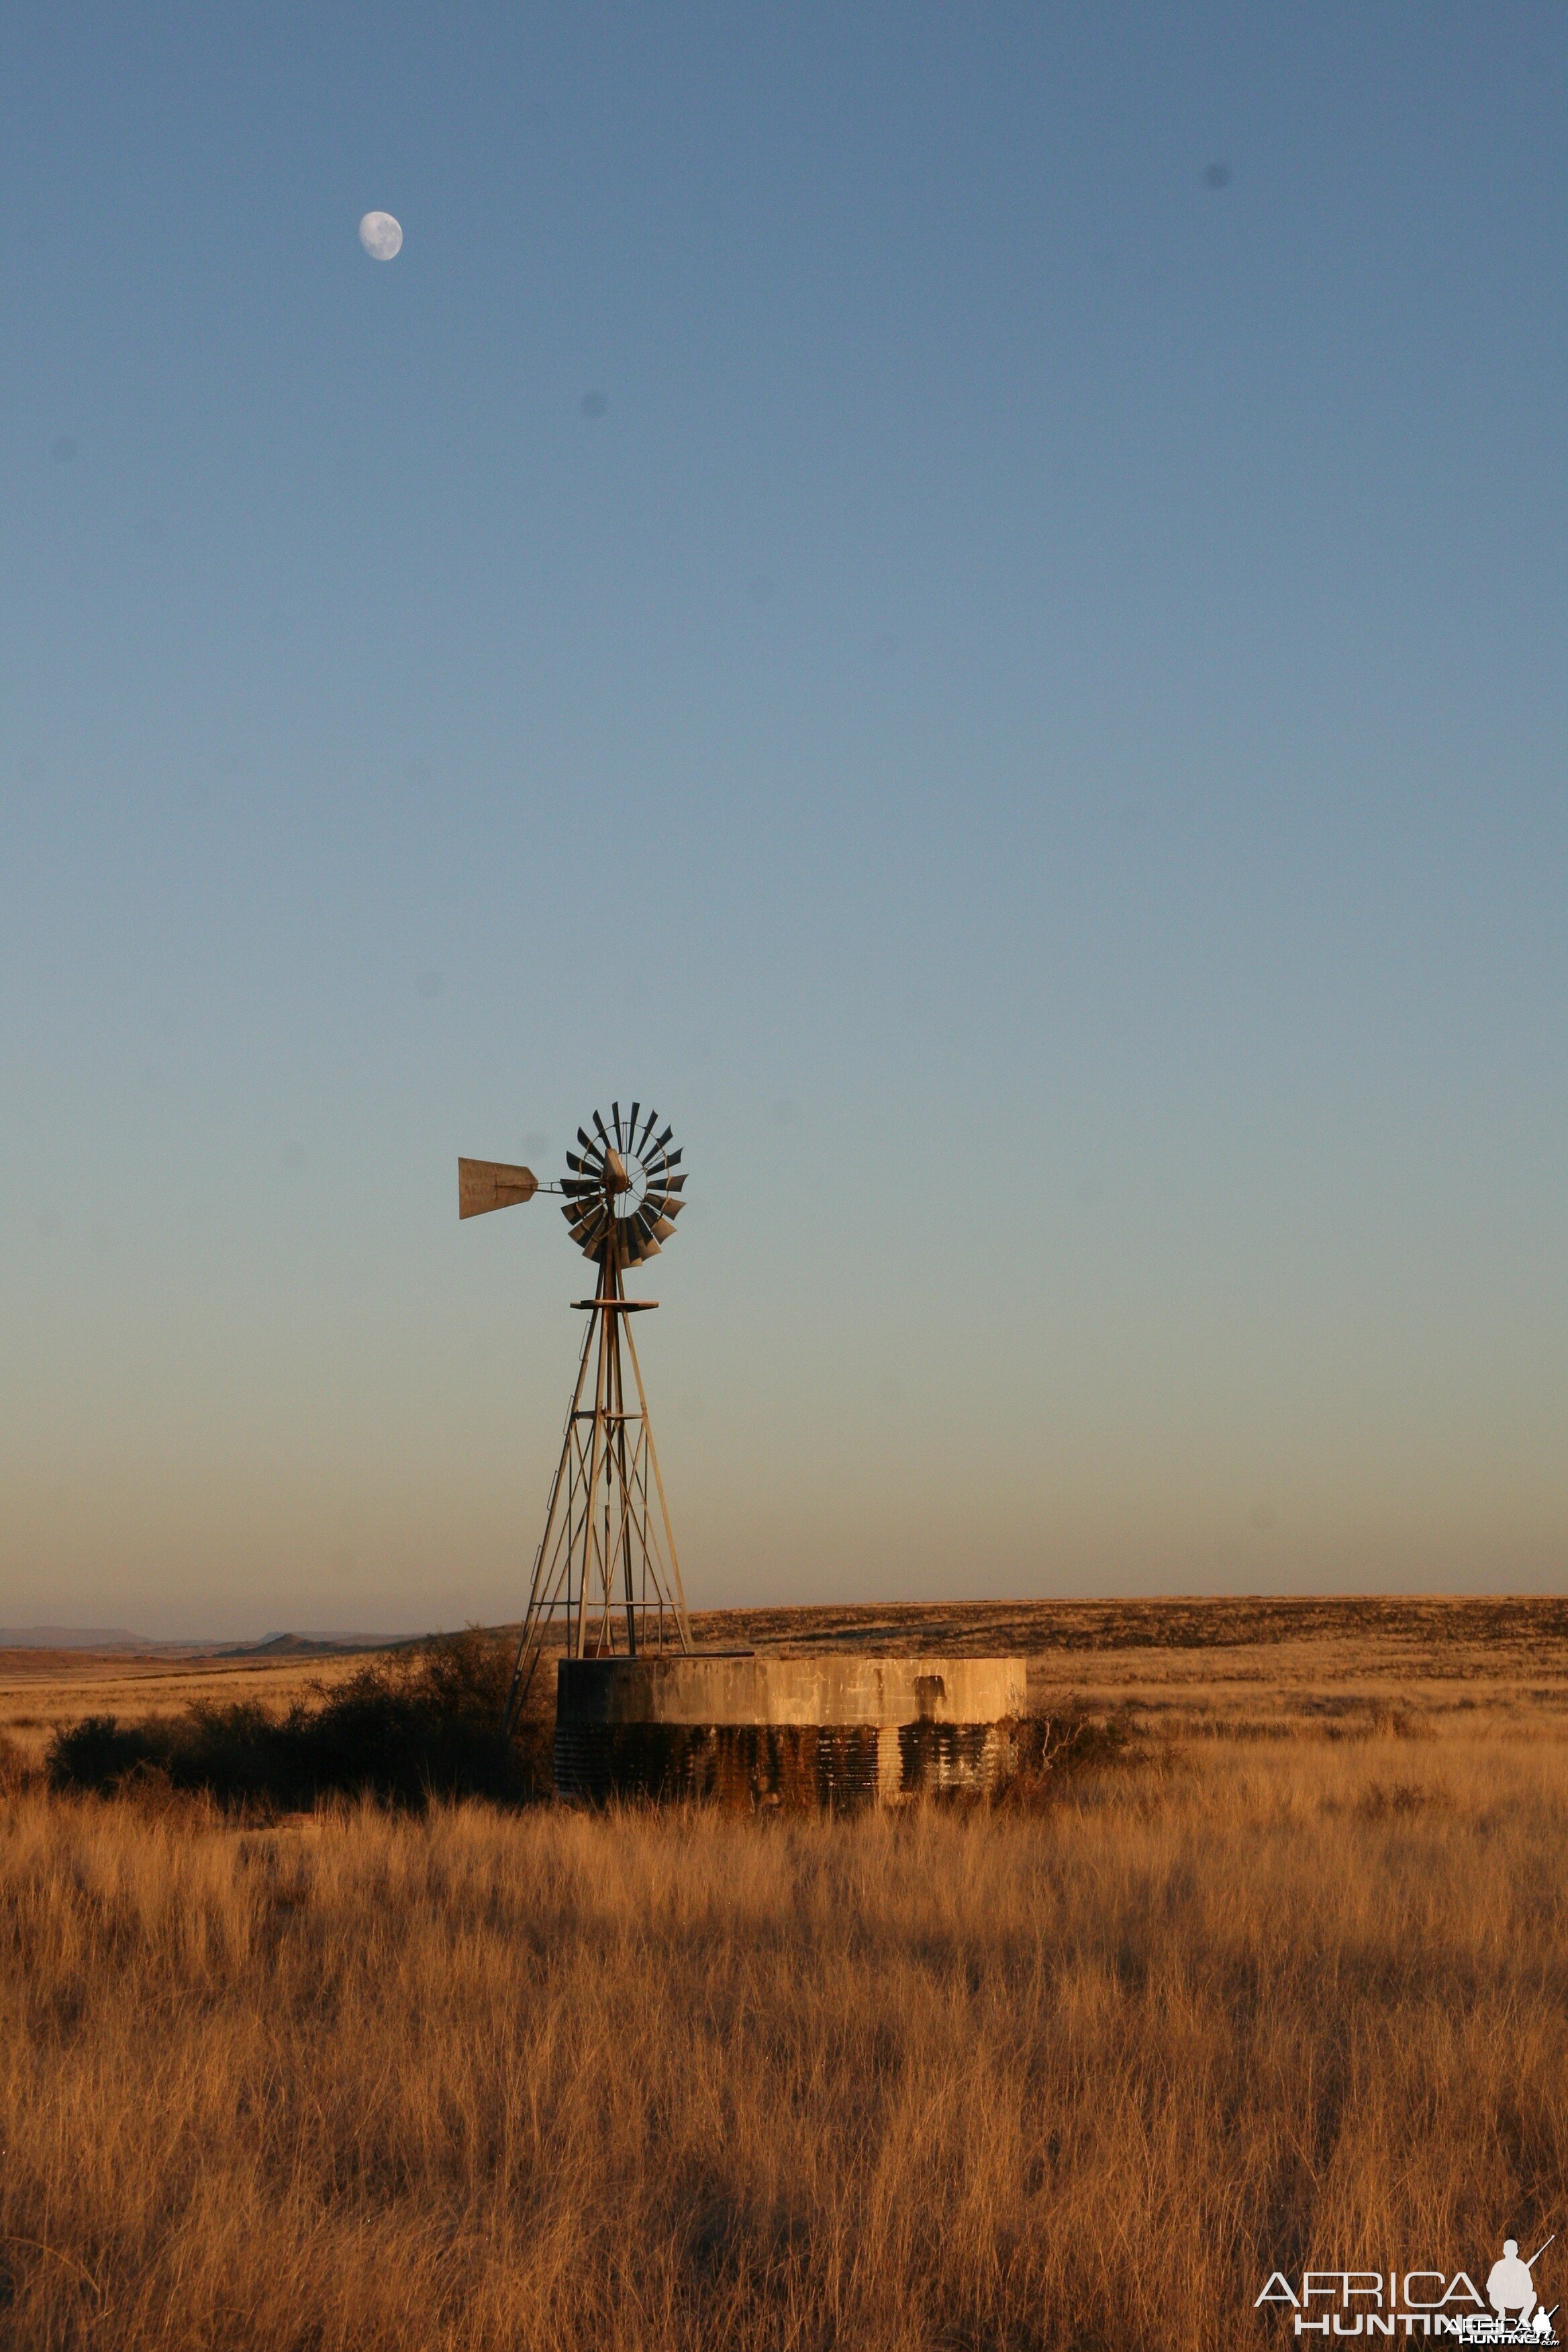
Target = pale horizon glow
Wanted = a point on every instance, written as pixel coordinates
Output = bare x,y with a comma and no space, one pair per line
971,605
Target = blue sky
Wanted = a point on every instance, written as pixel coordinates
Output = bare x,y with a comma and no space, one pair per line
971,601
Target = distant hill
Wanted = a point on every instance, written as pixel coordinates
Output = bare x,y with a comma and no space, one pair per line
71,1637
305,1646
117,1637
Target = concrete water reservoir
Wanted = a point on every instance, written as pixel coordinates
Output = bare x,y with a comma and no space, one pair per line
839,1731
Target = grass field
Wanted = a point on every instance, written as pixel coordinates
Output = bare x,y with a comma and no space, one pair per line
1290,1988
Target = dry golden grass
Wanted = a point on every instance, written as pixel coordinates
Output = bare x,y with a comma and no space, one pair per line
1076,2078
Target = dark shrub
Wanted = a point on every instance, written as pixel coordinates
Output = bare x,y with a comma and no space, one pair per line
422,1723
100,1751
1049,1751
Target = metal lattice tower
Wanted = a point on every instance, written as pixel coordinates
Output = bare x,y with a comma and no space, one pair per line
606,1568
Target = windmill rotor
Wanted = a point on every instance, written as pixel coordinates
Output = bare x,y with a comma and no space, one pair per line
622,1190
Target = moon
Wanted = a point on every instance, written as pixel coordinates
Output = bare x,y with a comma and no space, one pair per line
381,237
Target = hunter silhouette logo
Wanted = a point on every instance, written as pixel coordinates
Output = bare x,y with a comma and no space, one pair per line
1512,2289
1419,2303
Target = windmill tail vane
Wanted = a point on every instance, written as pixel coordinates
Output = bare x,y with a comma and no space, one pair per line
605,1573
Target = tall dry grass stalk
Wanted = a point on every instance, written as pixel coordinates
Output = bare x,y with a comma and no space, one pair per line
1081,2079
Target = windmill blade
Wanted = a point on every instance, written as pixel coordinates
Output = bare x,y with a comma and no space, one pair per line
592,1149
664,1138
632,1128
662,1228
616,1122
604,1133
647,1132
486,1185
675,1159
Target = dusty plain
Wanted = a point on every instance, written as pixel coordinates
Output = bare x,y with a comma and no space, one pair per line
1281,1982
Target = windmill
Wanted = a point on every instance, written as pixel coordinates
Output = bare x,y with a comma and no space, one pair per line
606,1568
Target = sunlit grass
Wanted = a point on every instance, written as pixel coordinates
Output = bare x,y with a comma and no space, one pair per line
1080,2077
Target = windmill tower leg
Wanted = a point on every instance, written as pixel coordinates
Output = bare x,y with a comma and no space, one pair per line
672,1590
552,1562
